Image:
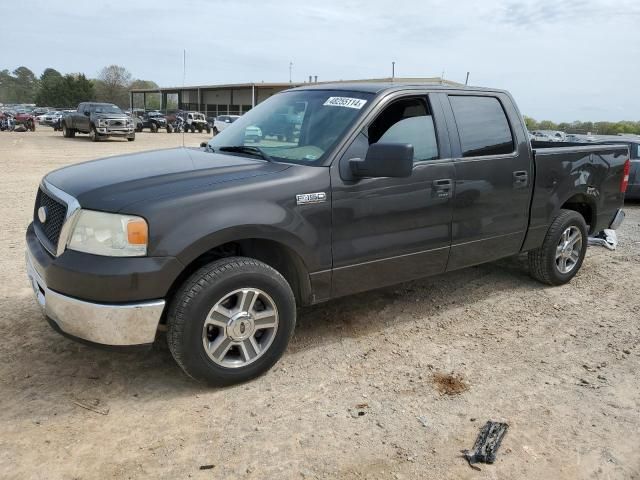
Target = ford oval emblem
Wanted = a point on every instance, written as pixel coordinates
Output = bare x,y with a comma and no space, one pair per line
42,214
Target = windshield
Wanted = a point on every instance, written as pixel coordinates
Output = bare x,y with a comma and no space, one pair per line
107,109
295,126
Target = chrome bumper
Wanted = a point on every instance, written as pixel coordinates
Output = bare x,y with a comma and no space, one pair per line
617,220
114,325
115,131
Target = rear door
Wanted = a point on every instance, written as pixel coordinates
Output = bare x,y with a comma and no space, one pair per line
389,230
493,174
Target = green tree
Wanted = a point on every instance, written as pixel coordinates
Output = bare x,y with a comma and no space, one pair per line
547,125
530,123
25,85
51,89
7,87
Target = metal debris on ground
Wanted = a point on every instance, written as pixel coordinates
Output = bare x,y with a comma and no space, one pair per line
92,405
606,238
206,467
486,447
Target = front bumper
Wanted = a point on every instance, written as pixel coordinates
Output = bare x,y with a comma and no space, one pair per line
115,132
130,324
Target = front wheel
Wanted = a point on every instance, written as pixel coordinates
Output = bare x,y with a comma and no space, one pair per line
93,135
562,252
231,321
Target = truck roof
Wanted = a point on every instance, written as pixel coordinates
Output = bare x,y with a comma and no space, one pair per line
379,87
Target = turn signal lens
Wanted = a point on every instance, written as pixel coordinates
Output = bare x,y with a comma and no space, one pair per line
137,232
625,176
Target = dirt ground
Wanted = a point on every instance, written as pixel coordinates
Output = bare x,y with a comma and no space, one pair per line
354,396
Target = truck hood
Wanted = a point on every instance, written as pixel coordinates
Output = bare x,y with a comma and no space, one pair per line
110,184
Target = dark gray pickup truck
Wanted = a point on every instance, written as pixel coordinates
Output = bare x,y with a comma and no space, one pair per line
377,184
99,120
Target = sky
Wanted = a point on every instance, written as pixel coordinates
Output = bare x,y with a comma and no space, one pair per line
563,60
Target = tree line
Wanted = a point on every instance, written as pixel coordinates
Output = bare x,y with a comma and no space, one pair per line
53,89
595,128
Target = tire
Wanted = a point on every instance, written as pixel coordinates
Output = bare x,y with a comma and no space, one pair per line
557,261
208,129
68,132
93,135
154,128
224,282
215,131
169,129
131,138
193,129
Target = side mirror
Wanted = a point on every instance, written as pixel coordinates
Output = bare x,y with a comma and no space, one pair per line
203,144
86,114
384,160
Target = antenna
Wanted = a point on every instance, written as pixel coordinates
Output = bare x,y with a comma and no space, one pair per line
184,76
466,82
290,67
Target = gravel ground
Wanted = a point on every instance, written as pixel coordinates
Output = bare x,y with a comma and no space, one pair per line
359,393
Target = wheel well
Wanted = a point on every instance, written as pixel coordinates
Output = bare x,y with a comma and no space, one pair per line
581,204
278,256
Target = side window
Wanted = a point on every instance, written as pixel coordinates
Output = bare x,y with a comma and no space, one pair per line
407,121
482,125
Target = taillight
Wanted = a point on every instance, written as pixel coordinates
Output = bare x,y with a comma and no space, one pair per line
625,176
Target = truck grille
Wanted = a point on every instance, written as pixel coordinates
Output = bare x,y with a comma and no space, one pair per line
56,214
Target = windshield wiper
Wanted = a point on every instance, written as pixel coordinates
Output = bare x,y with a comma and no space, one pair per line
250,149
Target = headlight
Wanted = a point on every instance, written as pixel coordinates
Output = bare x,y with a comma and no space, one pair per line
101,122
129,122
109,234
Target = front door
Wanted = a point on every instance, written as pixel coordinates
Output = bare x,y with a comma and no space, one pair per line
389,230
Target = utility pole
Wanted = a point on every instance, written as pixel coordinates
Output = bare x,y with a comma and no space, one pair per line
466,82
290,67
393,71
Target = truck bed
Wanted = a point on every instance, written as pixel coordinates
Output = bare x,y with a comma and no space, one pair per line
594,171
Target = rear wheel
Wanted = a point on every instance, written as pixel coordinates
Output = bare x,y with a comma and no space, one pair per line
154,128
68,132
562,252
231,321
169,129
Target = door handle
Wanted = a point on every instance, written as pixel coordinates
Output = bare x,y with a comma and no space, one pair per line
520,179
443,188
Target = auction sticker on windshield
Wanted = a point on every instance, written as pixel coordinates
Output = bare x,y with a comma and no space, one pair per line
356,103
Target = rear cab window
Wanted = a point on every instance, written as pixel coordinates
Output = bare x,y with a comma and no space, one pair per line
483,126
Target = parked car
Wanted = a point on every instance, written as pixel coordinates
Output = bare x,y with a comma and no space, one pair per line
26,119
195,121
223,121
99,120
52,119
154,121
633,142
387,183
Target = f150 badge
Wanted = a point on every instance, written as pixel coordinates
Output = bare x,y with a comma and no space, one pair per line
306,198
